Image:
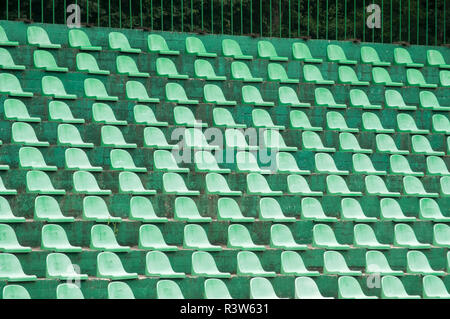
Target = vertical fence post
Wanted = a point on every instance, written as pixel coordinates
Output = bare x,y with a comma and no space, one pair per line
426,27
232,22
382,21
345,19
418,22
18,9
53,11
120,13
64,10
87,11
109,13
445,38
354,19
289,13
317,20
171,15
201,12
182,15
260,18
251,16
279,16
270,24
140,11
326,20
336,19
298,18
221,12
131,15
192,15
162,15
364,20
435,22
98,13
151,14
400,19
212,16
42,11
7,10
409,21
242,21
390,17
308,17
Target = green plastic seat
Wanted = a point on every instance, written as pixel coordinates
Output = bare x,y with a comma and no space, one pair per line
248,264
299,186
195,237
54,238
121,160
195,139
166,68
395,100
323,237
235,139
31,158
376,263
312,74
6,214
252,96
4,39
104,239
195,46
175,93
7,62
39,182
402,57
257,185
119,42
399,165
385,144
213,94
119,290
6,191
95,89
95,209
435,58
9,242
381,76
441,124
311,141
444,78
164,161
76,159
429,101
173,183
9,84
323,97
336,54
336,122
126,65
246,162
415,78
141,209
300,51
417,263
156,43
54,87
334,264
11,269
157,264
59,111
413,187
347,75
203,265
228,210
441,234
371,123
286,163
143,114
85,183
130,183
391,210
136,91
23,133
370,56
288,97
45,60
306,288
79,39
349,143
311,209
68,291
359,99
206,162
270,210
215,289
292,264
204,70
261,288
362,164
46,208
186,210
404,236
113,137
281,237
374,185
231,49
349,288
110,267
239,238
421,145
351,210
183,116
324,164
432,288
364,237
168,289
406,123
37,36
299,120
429,210
392,288
336,185
272,139
240,71
276,72
150,237
154,138
15,292
261,119
445,185
102,113
266,50
59,266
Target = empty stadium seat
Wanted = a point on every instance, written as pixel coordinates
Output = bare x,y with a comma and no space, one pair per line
213,94
281,237
31,158
104,239
336,185
292,264
381,76
261,119
390,209
444,78
40,183
404,236
349,143
186,210
4,39
95,89
266,50
11,269
375,185
240,238
45,60
196,47
371,122
109,266
276,72
122,160
324,164
154,137
445,186
15,291
156,43
195,237
270,210
9,242
406,123
59,111
336,54
246,162
130,183
300,51
217,184
312,74
203,265
385,144
68,291
173,183
434,288
54,87
323,237
85,183
334,264
287,96
441,234
164,161
240,71
231,49
102,113
402,57
126,65
143,114
395,100
258,185
195,139
235,139
370,56
429,101
168,289
248,264
273,140
54,238
37,36
206,162
261,288
435,58
79,39
119,42
223,118
175,93
141,209
6,214
336,122
364,237
286,163
306,288
46,208
376,263
166,67
351,210
363,165
216,289
421,145
415,78
417,263
412,186
311,209
76,159
429,210
157,264
323,97
60,267
9,84
298,185
399,165
95,209
150,237
7,62
348,76
228,210
112,137
392,288
358,98
204,70
23,133
252,96
119,290
311,141
349,288
4,190
136,91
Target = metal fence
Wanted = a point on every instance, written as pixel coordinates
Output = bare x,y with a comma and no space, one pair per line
414,21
